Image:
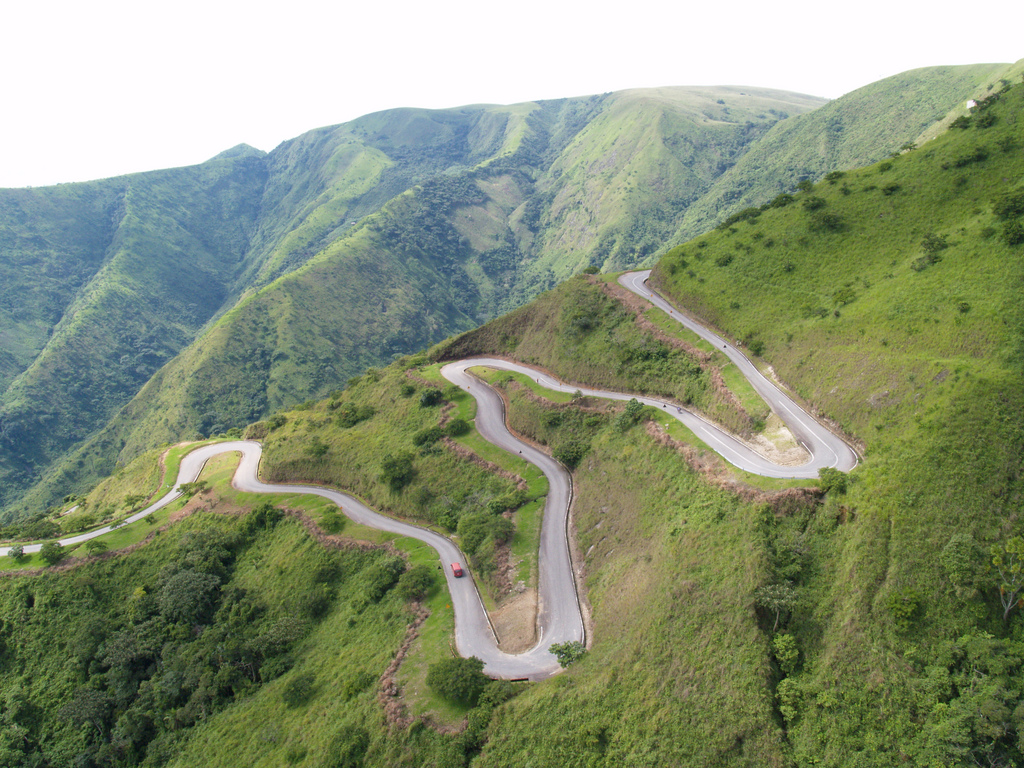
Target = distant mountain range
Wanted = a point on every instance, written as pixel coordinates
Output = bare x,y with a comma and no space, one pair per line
163,305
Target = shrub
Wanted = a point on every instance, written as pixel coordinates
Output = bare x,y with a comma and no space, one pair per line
427,436
787,653
568,653
781,201
904,605
396,471
457,428
382,576
1009,205
350,414
430,396
300,690
461,680
571,452
832,480
415,583
348,748
1013,233
52,552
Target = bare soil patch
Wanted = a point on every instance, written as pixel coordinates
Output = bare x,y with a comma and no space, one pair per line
515,621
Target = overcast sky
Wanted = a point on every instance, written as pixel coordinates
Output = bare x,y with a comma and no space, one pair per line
98,89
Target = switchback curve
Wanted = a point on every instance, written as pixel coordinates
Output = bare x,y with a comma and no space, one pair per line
559,618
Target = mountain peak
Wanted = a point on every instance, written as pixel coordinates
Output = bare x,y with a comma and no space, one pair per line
239,150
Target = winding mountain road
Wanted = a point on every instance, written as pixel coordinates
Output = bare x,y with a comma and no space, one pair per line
559,618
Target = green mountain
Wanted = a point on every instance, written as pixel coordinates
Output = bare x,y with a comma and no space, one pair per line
261,281
874,620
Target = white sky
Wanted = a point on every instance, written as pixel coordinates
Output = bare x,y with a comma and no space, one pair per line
97,89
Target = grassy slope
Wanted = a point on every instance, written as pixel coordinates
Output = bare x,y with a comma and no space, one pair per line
923,362
681,671
52,242
582,335
165,271
595,179
861,127
615,191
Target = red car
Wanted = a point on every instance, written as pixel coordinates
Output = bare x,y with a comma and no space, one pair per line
456,570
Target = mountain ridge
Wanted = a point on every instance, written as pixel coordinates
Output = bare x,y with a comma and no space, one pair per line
493,204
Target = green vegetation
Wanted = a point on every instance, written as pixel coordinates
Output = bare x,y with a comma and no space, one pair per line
862,127
872,622
581,334
901,323
399,228
568,653
458,679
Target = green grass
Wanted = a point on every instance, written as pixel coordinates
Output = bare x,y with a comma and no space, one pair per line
920,359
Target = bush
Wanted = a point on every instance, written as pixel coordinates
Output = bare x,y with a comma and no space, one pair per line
1013,233
347,748
396,471
262,517
415,583
568,653
787,653
832,480
351,414
52,552
571,452
382,576
430,396
427,436
904,605
300,690
457,428
461,680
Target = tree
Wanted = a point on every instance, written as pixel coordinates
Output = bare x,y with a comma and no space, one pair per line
191,489
1008,562
832,480
777,598
188,596
569,652
16,553
95,546
458,679
88,706
52,552
415,583
396,470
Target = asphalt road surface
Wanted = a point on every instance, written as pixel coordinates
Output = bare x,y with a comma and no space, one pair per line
559,618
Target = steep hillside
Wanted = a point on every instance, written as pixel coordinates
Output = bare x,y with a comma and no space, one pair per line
891,298
862,127
731,625
111,280
354,243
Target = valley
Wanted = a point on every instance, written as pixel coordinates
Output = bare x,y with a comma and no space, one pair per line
855,605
